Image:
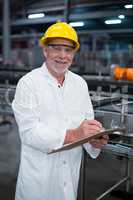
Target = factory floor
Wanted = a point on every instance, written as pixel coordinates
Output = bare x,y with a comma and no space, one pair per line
100,173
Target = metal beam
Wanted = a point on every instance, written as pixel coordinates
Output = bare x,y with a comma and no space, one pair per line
101,14
44,4
81,16
107,31
51,8
22,22
46,9
30,35
103,3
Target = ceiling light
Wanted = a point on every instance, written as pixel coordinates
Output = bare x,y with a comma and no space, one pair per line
128,6
36,15
121,16
77,24
113,21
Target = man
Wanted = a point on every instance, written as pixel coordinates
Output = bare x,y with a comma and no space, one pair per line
52,107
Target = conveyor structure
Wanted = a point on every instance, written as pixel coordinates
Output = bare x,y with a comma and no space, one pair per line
117,111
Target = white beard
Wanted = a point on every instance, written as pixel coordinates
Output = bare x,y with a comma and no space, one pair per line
57,70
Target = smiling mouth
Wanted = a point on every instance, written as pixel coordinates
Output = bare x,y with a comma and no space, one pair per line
60,62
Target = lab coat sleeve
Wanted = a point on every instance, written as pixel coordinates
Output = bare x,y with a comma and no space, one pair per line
93,152
33,132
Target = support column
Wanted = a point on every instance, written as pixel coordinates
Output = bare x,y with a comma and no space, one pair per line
67,10
6,32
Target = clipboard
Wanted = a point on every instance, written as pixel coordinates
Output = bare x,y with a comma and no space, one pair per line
80,142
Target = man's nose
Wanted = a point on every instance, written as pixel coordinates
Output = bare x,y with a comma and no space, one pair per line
63,53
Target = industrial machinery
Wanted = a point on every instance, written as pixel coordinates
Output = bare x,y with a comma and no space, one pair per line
6,114
116,110
122,73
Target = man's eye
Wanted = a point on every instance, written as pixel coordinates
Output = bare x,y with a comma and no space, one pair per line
68,50
55,48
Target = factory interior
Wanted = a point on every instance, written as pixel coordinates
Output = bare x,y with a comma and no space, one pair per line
104,60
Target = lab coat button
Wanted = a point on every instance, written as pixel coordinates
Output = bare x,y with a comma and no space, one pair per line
64,184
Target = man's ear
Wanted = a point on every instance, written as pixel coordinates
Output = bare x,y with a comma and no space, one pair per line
44,51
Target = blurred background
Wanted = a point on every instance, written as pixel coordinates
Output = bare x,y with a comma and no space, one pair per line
104,60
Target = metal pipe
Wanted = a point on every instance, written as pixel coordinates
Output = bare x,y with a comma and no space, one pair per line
113,187
67,11
6,32
124,113
82,176
127,173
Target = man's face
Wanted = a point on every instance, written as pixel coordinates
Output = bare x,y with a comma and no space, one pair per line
59,55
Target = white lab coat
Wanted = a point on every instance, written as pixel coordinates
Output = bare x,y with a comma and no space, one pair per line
44,111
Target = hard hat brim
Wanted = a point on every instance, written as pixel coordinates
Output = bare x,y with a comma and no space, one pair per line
44,41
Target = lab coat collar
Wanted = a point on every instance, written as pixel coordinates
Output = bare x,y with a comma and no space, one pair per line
51,78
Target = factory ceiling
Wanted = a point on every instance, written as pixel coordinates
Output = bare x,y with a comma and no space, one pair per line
92,12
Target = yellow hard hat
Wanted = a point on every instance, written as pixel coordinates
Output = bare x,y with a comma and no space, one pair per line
60,30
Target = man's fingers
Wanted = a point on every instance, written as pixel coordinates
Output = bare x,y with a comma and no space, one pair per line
106,137
94,122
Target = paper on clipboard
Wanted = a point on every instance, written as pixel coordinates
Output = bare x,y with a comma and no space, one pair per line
85,140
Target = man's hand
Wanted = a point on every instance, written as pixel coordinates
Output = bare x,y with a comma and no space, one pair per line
87,128
91,127
99,143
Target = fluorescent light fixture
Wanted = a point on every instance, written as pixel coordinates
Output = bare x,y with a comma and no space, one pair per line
128,6
36,15
77,24
113,21
121,16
